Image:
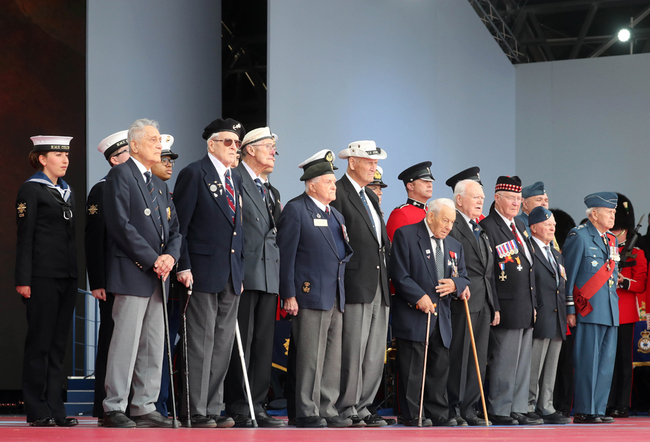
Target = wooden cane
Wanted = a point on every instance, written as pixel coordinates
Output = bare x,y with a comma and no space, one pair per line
478,370
424,368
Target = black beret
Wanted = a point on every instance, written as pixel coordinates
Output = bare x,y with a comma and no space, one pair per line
227,125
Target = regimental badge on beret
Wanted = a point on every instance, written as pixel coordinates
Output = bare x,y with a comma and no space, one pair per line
306,287
21,209
93,209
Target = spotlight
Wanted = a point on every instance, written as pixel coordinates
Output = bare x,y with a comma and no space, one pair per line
624,35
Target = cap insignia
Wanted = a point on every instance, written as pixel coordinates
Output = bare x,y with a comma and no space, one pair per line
93,209
22,209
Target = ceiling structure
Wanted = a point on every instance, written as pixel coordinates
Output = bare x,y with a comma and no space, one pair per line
531,31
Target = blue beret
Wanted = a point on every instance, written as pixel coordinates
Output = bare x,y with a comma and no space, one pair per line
602,199
538,215
533,190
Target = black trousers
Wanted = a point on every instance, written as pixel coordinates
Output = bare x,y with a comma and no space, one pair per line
49,316
256,317
563,392
621,391
103,343
410,363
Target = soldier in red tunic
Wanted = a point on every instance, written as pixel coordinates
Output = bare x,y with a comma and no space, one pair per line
419,188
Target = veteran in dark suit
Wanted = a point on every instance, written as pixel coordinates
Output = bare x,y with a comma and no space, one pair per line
514,285
314,250
208,197
462,386
259,300
115,149
427,268
365,321
144,244
550,325
591,256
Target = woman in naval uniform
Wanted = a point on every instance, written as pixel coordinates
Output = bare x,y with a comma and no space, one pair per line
46,278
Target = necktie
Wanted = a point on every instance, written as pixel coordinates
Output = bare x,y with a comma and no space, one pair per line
230,195
260,187
551,260
475,229
514,231
269,196
362,194
327,210
149,183
440,263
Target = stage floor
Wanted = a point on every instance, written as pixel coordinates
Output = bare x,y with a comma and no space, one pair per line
633,428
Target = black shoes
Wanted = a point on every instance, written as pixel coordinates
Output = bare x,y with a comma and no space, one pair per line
198,421
45,422
374,420
475,421
503,420
117,419
426,422
152,420
619,413
580,418
265,420
66,422
240,420
357,422
523,419
223,421
606,419
443,422
311,422
556,418
338,421
460,421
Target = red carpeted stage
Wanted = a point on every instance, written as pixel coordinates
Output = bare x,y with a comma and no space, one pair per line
15,429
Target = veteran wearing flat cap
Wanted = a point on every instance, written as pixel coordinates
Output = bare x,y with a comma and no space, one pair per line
259,300
143,246
365,321
532,196
463,387
208,197
550,325
591,256
418,182
427,268
515,302
314,251
115,149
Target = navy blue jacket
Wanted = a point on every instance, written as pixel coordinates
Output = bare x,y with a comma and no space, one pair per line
413,273
213,248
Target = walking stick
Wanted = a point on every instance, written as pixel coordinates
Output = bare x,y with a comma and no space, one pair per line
169,354
187,368
240,347
424,368
478,368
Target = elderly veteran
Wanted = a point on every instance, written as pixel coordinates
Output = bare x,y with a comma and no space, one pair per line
591,256
418,182
532,196
115,148
259,300
208,197
365,321
471,173
314,251
377,185
515,302
144,244
550,326
463,388
427,268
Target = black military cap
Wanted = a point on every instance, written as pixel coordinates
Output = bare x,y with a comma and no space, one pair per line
227,125
420,171
467,174
624,214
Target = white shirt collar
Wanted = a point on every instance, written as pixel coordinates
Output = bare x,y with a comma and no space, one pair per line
250,171
506,220
320,205
356,185
219,166
141,168
467,219
540,243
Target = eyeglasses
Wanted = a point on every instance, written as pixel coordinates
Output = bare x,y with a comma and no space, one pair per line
121,152
269,146
511,199
478,198
167,161
228,142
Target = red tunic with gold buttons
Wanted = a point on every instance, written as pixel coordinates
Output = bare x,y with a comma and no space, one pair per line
410,213
632,292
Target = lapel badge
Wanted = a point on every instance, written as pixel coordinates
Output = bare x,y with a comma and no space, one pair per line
318,215
306,287
147,212
594,263
213,188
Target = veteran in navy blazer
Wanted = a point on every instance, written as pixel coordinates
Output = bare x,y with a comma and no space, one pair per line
314,250
208,197
144,244
427,268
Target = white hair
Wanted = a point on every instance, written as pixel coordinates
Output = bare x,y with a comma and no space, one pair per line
314,180
436,205
461,187
136,131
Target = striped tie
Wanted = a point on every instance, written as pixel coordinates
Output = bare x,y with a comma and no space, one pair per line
152,195
230,194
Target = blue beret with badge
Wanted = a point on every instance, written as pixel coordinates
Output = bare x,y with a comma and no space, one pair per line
533,190
608,200
538,215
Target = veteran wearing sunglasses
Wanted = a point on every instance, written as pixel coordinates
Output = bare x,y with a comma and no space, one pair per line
208,199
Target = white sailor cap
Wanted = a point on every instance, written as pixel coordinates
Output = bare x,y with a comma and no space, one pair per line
47,143
113,142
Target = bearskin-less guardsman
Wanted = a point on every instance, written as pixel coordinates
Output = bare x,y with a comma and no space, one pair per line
418,182
630,288
591,256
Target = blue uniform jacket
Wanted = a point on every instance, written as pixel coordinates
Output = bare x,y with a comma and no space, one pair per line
310,268
413,272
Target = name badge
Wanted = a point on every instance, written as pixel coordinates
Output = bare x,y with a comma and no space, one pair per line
320,222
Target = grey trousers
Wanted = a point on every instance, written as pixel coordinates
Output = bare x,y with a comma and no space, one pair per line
211,319
543,368
136,353
317,335
365,329
509,370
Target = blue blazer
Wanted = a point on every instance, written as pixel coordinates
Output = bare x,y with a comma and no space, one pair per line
413,274
213,247
311,269
551,302
584,253
134,238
